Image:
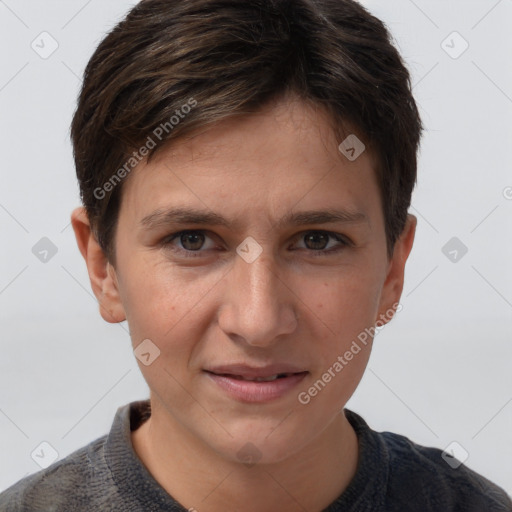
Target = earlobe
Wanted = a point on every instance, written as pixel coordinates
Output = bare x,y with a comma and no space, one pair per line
101,273
393,285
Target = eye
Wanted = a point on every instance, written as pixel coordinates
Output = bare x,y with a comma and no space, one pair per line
324,242
187,242
193,243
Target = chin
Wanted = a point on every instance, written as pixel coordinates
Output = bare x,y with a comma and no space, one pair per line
265,443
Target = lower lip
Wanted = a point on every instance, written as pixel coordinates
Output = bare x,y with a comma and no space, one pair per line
257,392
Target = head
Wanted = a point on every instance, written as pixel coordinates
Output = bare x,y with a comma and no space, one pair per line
222,220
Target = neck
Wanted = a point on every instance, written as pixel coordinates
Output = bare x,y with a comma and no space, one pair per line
200,479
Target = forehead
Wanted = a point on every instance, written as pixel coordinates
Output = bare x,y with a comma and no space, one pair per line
274,159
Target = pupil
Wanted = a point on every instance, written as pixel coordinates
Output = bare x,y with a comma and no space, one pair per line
315,237
196,241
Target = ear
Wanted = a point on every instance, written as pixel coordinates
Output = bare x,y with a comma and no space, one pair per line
101,273
394,283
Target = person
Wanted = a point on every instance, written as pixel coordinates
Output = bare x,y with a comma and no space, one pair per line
246,170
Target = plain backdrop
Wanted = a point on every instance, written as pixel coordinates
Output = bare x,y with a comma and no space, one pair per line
439,373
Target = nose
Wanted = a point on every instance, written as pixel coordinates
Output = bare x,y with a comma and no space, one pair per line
258,306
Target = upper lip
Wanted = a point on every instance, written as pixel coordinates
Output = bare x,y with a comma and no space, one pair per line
243,370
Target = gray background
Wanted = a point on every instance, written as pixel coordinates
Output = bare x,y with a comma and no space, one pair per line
440,372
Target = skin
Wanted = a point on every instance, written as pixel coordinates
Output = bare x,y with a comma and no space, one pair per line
292,304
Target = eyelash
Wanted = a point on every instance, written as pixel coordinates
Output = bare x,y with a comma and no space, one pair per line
167,242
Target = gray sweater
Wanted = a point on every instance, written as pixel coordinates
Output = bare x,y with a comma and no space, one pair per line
393,475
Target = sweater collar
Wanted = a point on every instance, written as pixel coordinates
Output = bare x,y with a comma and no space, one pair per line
131,476
365,492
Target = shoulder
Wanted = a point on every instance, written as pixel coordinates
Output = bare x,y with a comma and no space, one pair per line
430,475
415,477
63,485
103,475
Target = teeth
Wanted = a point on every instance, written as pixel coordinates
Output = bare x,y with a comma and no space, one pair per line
261,379
258,379
264,379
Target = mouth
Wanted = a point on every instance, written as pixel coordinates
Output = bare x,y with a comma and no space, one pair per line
249,384
257,379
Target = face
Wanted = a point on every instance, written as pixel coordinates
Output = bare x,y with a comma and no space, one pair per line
252,250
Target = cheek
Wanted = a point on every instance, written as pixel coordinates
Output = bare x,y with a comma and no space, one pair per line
348,308
161,303
347,303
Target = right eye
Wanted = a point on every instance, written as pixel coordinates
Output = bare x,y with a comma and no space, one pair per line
188,241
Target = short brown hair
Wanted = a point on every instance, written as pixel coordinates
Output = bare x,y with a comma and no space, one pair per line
229,58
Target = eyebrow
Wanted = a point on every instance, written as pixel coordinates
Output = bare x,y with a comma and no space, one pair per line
180,215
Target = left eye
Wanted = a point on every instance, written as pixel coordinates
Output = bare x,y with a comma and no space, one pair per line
319,240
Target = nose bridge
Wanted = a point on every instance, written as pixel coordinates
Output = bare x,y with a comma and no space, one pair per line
257,306
261,283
